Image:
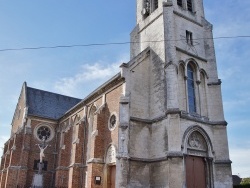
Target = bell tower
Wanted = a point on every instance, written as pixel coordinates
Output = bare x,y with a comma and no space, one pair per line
179,35
172,118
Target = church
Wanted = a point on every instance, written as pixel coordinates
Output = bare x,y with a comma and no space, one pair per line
158,123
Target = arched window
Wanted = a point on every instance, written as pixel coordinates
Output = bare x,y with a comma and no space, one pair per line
75,125
91,119
191,88
91,127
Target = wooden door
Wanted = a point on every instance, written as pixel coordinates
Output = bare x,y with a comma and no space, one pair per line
195,172
111,178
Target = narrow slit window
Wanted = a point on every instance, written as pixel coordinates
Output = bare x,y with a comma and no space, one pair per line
191,89
189,37
190,5
179,2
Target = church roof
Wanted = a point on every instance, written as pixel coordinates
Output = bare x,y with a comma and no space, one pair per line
48,105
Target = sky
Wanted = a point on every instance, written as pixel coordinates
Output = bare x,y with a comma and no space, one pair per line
77,71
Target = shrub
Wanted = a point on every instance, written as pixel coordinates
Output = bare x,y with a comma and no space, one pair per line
245,181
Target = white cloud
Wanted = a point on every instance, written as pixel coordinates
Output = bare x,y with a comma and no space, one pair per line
240,159
88,77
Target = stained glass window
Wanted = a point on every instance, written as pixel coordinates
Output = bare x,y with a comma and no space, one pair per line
191,89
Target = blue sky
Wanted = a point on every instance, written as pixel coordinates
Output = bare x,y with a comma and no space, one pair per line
77,71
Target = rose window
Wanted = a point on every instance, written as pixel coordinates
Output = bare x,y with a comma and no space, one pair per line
112,122
43,131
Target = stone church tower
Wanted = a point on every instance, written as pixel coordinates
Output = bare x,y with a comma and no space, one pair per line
172,128
158,123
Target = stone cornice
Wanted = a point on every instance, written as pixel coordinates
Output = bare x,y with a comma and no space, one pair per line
184,115
215,83
169,154
96,160
174,154
223,161
62,168
124,125
76,165
201,119
148,160
148,121
18,167
124,100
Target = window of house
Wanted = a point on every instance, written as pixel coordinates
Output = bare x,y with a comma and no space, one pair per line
190,5
189,37
179,2
191,89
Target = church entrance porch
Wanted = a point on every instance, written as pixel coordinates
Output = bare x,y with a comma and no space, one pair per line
198,158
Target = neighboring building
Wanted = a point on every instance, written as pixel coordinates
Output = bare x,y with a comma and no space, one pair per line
158,123
236,180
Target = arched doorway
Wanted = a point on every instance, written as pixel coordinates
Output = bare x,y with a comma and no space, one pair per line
198,159
110,167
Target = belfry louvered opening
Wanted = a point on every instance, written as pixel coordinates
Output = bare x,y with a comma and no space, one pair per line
190,5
